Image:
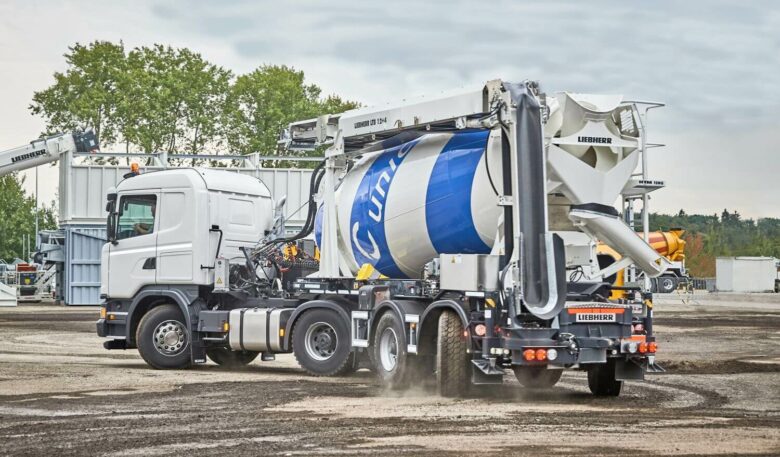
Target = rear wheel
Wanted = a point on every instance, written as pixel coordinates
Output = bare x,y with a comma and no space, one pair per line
452,361
391,362
537,377
602,382
163,338
321,343
231,359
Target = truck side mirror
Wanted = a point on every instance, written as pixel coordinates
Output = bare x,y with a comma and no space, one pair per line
111,218
111,228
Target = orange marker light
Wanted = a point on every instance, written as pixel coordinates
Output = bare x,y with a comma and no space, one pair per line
642,348
541,354
652,347
529,355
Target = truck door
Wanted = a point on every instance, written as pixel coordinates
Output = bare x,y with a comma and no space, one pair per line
133,256
177,223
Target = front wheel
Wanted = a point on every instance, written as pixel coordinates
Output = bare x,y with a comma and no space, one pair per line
163,338
537,377
602,382
231,359
321,343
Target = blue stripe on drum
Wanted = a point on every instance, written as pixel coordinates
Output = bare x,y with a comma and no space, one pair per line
318,225
367,219
448,200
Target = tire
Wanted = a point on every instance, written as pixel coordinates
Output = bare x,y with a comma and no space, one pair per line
392,364
321,344
163,338
537,377
602,382
231,359
666,284
452,360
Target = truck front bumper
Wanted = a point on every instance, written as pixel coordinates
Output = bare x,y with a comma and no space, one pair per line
102,328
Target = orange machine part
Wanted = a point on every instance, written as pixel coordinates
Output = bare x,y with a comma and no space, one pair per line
669,244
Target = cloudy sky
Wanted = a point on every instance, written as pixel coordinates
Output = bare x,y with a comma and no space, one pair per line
714,63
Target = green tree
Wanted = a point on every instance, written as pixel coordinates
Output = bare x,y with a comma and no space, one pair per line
86,95
17,217
262,103
174,100
160,98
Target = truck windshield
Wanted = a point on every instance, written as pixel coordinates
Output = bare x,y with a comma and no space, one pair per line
136,216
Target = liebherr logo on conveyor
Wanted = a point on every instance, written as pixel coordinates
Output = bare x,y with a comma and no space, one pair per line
29,155
594,139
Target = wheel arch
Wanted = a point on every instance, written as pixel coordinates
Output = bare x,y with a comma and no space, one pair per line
400,308
148,299
429,322
331,304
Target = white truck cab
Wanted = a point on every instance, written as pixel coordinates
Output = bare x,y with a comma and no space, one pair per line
167,227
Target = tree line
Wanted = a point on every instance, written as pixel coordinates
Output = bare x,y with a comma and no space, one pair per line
159,98
727,234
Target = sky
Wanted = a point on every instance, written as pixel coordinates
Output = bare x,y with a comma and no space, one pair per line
714,63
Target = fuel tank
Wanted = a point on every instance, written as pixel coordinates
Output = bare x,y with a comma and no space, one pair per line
410,199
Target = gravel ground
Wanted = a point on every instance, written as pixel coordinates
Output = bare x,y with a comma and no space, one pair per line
62,394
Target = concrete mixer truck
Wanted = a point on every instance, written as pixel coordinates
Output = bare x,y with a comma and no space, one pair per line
457,242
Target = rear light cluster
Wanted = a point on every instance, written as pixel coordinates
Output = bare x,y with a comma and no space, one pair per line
645,348
540,355
642,348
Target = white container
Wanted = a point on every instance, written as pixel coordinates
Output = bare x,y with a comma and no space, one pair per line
83,190
745,274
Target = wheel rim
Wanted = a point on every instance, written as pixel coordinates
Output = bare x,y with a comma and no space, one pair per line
321,341
388,349
170,338
668,284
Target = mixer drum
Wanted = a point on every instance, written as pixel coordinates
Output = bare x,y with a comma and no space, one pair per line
405,204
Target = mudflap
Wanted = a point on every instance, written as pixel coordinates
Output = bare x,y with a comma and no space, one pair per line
485,372
655,368
630,370
198,354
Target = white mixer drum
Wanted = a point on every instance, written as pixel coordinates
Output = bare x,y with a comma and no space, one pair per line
405,204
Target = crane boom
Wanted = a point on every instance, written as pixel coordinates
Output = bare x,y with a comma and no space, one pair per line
45,150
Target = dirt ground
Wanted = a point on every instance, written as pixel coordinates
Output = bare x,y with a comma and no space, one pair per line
62,394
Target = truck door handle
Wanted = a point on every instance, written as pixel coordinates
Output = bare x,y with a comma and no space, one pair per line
150,264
